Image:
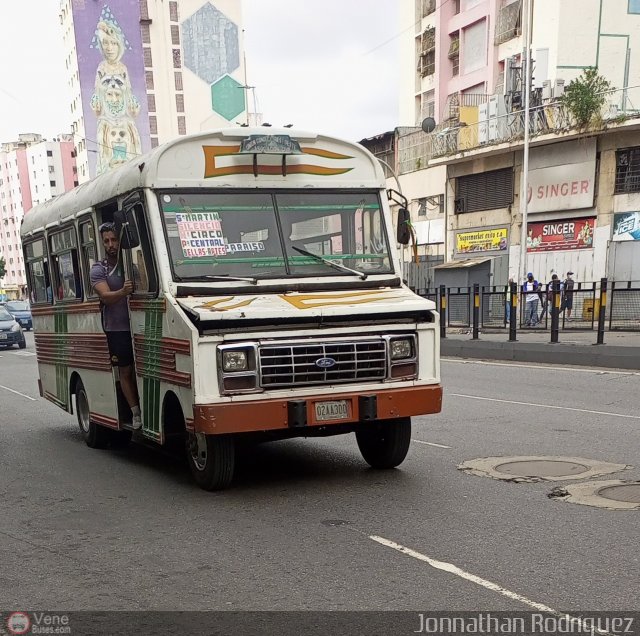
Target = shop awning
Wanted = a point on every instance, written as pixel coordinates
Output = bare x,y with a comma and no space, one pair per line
469,262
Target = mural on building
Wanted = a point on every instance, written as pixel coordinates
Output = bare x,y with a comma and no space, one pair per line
211,48
111,69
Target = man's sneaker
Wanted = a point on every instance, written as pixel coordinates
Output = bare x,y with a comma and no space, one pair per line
136,423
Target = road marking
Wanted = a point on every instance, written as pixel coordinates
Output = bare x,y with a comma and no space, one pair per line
494,587
6,388
544,406
419,441
598,370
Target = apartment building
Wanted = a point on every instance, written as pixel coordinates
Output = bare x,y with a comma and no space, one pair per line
32,170
142,72
464,68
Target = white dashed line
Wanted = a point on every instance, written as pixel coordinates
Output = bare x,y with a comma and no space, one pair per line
472,578
6,388
598,371
419,441
544,406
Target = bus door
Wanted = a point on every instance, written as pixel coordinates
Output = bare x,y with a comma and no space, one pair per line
146,315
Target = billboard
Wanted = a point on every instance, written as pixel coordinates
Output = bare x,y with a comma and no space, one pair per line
112,81
490,240
626,226
568,234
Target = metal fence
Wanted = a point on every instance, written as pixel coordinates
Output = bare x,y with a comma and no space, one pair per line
459,306
625,307
579,307
494,307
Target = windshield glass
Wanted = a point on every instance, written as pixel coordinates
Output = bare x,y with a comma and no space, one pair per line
18,305
255,234
4,314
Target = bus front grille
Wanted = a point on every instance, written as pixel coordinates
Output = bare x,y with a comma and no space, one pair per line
305,364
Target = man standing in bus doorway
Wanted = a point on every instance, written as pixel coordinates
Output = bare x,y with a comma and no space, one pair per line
113,289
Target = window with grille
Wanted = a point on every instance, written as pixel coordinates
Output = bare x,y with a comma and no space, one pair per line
176,58
151,103
145,33
173,11
484,191
178,81
144,10
427,64
627,170
180,103
175,34
153,125
182,126
146,53
148,76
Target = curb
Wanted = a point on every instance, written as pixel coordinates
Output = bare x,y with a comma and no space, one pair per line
609,356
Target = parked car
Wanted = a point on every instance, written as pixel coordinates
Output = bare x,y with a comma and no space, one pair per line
10,331
21,311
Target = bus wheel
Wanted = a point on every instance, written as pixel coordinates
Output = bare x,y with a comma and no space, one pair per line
211,459
94,435
385,444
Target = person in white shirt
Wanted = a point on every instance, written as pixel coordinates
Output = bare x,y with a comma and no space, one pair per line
531,291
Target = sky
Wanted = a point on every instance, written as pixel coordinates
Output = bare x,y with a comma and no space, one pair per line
324,65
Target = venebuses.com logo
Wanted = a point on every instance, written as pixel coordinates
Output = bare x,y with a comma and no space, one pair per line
20,623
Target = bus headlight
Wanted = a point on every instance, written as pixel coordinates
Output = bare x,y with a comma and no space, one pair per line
402,348
234,361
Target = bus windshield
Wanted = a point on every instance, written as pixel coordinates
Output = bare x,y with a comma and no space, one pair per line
275,234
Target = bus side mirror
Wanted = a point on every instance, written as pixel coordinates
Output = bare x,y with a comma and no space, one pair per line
403,233
126,227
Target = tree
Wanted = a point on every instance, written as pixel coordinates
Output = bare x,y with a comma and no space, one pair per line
585,96
3,271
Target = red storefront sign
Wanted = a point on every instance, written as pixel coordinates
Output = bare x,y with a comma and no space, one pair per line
568,234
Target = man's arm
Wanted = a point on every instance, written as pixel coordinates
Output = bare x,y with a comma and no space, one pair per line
109,297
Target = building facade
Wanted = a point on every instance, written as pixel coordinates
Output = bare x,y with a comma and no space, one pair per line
582,205
32,170
142,72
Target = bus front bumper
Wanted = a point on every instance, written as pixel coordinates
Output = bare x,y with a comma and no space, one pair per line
325,410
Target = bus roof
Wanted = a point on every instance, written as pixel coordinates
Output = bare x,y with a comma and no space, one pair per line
238,157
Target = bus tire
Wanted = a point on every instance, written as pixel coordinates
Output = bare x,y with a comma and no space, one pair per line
211,460
385,444
95,436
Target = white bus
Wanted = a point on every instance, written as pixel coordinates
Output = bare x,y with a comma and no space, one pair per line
268,300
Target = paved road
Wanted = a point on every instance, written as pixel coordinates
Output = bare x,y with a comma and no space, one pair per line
85,529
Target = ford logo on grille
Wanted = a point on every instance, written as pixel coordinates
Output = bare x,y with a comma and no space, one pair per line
325,363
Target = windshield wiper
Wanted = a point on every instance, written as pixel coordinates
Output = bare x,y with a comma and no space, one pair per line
253,281
326,261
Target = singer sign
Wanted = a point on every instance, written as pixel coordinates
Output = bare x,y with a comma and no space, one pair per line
567,187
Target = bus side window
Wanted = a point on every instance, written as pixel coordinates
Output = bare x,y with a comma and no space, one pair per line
66,267
40,290
89,253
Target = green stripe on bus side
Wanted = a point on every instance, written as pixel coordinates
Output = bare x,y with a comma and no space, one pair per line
151,368
62,371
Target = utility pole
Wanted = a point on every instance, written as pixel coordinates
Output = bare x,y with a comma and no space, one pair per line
527,11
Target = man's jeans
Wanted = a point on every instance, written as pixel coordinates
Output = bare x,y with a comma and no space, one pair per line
531,312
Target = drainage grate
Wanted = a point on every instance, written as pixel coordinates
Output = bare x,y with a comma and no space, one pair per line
628,493
542,468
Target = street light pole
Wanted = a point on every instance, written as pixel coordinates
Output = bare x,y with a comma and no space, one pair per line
527,11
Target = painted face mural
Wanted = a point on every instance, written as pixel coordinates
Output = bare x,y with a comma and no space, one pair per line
113,102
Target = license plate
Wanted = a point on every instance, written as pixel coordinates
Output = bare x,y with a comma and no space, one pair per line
335,410
3,336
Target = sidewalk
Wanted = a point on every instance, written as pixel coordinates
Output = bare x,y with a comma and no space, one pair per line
620,351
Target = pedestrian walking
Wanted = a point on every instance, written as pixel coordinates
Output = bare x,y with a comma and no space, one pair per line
531,291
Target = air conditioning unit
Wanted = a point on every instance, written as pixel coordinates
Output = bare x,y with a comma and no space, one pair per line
459,205
546,90
558,88
483,123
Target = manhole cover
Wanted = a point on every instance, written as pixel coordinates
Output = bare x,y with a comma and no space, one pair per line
541,468
629,493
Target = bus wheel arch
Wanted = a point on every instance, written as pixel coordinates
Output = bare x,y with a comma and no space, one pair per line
94,435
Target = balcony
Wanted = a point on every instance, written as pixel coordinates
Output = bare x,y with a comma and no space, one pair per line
509,22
